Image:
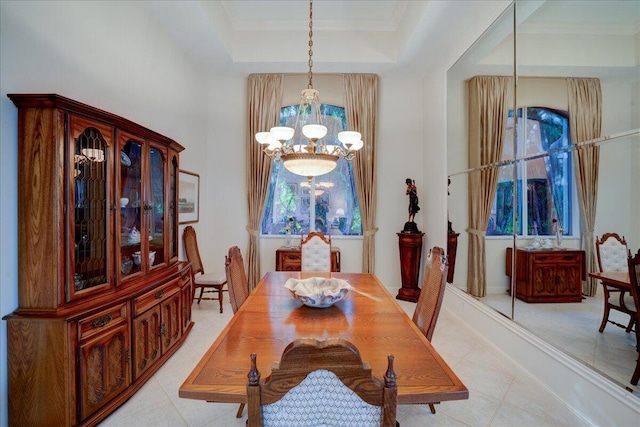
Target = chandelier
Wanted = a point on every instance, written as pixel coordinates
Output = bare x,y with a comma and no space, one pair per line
310,157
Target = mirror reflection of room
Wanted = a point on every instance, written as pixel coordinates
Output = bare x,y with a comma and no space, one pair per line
536,194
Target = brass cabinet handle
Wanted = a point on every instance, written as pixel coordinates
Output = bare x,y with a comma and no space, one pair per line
159,294
102,321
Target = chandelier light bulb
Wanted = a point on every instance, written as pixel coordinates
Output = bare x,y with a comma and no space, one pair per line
349,138
282,133
264,137
356,145
314,131
274,144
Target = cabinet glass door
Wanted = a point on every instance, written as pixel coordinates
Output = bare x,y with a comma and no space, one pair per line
90,217
155,205
173,212
131,206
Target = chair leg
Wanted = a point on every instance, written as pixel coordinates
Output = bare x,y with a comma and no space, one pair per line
240,410
605,317
636,373
630,325
220,297
201,292
432,407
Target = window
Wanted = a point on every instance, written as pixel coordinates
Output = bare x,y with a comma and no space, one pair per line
332,196
547,194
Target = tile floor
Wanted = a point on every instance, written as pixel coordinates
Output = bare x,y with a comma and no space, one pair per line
573,328
498,395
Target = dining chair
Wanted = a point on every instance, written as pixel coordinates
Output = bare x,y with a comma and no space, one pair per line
611,252
236,278
634,280
321,383
238,287
207,282
315,252
429,302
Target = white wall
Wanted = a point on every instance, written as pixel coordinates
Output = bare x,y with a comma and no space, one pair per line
107,55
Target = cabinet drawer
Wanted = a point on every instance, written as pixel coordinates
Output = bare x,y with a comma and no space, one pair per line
101,321
185,277
291,262
154,296
555,258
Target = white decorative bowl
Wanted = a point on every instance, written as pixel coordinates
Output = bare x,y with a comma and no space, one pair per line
318,292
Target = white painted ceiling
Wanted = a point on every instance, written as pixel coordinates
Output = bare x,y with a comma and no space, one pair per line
380,36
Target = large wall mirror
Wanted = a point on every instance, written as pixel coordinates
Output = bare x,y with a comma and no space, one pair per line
537,47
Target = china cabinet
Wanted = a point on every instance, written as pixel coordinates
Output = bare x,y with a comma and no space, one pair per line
102,299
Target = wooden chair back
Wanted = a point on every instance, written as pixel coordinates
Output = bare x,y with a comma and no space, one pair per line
236,278
315,252
633,264
611,251
427,309
319,379
191,251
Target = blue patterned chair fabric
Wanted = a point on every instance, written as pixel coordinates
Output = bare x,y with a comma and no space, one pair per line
315,252
321,383
321,399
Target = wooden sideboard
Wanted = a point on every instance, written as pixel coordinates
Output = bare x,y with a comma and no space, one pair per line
290,258
548,275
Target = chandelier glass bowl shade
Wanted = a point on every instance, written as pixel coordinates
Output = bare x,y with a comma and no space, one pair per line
310,157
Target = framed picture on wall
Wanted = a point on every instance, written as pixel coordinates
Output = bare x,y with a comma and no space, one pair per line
188,197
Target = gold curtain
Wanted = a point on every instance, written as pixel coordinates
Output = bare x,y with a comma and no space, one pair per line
264,103
361,108
489,101
585,122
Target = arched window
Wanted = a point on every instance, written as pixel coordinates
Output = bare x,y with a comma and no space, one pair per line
544,184
328,203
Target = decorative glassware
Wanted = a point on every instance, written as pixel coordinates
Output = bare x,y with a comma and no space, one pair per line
288,228
126,265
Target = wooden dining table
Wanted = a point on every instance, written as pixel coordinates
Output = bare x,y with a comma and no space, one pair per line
368,316
617,279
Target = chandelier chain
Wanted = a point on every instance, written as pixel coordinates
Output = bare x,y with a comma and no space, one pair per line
287,144
310,74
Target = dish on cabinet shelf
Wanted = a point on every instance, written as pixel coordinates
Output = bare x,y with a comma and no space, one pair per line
125,159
